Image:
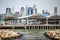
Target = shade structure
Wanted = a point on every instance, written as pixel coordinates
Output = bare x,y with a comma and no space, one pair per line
54,17
38,16
10,18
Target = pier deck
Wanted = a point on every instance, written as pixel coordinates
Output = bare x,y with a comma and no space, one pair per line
49,26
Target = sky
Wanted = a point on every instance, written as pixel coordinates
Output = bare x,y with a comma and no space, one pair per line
40,5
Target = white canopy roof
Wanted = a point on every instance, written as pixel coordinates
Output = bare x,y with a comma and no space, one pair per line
33,16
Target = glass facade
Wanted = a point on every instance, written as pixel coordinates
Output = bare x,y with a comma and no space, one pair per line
16,14
8,11
55,10
22,10
30,11
36,10
45,14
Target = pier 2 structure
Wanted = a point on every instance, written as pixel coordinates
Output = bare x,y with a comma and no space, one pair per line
35,21
38,21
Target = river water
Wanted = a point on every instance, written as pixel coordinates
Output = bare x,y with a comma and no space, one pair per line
31,34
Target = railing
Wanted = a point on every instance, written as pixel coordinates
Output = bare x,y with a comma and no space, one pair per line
41,26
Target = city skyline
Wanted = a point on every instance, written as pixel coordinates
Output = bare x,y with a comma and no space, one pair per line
40,4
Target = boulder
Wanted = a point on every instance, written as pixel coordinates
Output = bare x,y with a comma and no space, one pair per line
9,34
54,34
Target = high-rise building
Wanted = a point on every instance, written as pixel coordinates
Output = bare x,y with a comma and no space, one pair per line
1,18
30,11
8,11
12,10
17,14
22,11
45,13
34,6
34,9
26,10
55,10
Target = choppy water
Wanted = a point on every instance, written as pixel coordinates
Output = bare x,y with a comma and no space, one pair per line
33,34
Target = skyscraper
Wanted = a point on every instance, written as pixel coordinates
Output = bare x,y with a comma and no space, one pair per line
45,13
55,10
8,11
30,11
17,14
34,9
22,11
12,10
26,10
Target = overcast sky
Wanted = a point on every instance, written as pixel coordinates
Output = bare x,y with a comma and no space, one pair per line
40,4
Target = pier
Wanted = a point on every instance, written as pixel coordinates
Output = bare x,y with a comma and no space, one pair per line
35,21
49,26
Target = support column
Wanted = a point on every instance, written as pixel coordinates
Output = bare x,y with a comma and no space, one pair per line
34,27
29,27
13,27
18,21
47,22
38,27
25,27
27,21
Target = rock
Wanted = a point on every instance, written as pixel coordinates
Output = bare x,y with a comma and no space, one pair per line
54,34
9,34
